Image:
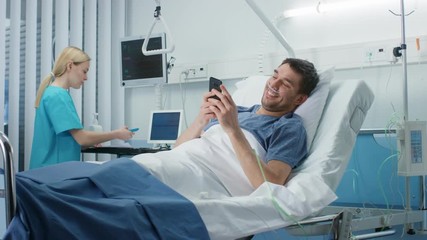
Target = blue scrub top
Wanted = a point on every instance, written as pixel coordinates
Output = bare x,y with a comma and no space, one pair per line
52,141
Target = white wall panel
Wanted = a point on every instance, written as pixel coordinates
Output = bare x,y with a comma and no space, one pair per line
104,63
14,75
76,39
61,26
30,73
90,47
118,30
2,61
47,51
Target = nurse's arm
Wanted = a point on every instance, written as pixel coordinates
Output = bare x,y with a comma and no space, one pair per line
90,138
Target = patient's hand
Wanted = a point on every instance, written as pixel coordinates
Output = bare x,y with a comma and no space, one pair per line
196,128
205,113
225,110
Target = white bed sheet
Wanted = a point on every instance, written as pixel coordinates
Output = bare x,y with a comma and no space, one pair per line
226,201
211,177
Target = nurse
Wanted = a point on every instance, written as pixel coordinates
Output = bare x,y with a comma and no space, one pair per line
58,131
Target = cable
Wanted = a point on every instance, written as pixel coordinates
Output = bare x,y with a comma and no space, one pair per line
355,177
170,64
386,88
183,95
158,92
394,122
276,205
379,179
165,99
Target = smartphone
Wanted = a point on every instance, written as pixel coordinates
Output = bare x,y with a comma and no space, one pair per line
214,83
134,129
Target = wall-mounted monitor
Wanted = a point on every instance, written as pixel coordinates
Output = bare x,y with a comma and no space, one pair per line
165,126
138,69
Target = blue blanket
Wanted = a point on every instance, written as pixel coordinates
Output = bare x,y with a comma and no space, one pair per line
115,200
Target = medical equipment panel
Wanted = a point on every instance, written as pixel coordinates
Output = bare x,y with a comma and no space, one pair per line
412,147
138,69
165,126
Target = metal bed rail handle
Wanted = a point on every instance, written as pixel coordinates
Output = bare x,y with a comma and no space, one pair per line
158,17
168,49
9,178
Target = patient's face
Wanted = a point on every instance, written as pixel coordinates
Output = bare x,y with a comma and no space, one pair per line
281,91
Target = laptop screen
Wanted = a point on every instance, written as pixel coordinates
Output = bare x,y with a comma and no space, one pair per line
165,126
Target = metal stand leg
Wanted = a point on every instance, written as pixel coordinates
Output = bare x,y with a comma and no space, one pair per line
345,226
409,227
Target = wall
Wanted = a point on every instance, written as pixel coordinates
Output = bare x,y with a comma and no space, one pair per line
233,43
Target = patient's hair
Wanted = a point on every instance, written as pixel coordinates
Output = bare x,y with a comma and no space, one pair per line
310,78
69,54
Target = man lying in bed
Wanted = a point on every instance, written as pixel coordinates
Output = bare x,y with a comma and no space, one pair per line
273,124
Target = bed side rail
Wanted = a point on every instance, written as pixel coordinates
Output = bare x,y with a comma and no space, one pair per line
337,226
9,178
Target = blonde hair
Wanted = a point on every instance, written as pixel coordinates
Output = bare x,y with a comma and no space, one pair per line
69,54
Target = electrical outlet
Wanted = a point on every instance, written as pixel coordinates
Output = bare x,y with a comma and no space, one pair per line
379,54
376,54
197,71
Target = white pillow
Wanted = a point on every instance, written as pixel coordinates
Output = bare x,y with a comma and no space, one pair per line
249,92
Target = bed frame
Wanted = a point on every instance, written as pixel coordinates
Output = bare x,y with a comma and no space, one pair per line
9,178
342,222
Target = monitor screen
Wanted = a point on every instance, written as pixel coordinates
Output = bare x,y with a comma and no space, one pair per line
165,126
138,69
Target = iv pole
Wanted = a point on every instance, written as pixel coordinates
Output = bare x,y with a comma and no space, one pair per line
401,52
404,63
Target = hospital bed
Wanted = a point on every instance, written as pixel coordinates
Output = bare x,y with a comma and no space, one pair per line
332,116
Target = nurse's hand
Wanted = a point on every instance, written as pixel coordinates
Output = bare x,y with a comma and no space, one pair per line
91,138
123,133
